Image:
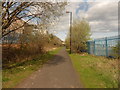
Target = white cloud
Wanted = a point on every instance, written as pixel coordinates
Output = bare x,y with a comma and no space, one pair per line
63,25
103,16
64,21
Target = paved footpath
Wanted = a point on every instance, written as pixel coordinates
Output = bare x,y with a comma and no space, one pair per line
57,73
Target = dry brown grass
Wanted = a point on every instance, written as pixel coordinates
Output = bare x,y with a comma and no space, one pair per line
16,53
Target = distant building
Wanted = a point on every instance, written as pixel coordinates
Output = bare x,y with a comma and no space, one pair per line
13,37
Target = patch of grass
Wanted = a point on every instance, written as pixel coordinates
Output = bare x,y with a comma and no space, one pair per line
96,71
5,79
19,71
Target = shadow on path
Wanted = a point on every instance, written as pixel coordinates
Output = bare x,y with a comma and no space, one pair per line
56,60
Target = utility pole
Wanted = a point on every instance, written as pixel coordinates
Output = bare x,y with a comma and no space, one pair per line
70,30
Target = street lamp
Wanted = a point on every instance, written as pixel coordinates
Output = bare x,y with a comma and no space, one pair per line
70,28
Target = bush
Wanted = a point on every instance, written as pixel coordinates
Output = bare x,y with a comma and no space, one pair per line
29,46
80,35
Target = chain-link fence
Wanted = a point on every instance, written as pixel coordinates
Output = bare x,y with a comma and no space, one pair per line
103,46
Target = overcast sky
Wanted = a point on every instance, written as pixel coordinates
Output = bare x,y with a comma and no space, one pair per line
102,17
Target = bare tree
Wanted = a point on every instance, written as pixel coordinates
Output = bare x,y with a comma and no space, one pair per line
42,11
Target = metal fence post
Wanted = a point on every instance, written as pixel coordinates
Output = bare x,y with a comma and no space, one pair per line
94,48
106,44
88,45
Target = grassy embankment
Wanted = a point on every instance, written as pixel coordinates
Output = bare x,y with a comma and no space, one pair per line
96,71
11,77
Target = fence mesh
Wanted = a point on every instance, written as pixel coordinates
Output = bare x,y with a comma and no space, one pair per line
103,46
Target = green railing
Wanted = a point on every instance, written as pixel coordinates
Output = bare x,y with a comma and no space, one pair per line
103,46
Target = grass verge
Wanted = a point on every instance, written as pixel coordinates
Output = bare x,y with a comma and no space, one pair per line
96,71
11,77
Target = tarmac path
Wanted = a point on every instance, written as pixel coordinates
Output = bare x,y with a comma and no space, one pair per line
56,73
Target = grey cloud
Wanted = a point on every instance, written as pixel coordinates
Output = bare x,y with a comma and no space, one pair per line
103,16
